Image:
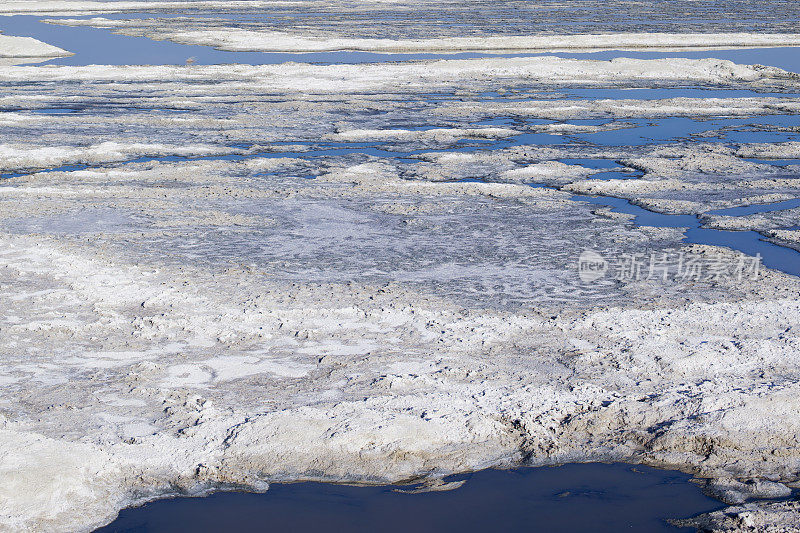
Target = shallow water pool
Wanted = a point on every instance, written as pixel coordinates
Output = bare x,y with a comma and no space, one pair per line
580,497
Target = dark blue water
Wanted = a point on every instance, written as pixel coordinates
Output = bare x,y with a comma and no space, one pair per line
566,499
616,175
62,168
598,164
649,131
591,163
54,111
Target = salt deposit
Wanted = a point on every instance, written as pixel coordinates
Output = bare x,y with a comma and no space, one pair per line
19,50
219,277
242,40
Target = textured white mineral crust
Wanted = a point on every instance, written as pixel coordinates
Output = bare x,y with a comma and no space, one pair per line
761,221
11,46
165,365
173,325
434,134
29,157
178,379
761,517
633,108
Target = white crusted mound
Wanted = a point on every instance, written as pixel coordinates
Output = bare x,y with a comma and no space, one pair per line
761,517
436,134
46,480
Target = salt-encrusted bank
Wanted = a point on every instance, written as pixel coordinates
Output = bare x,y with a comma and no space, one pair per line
17,50
27,47
218,277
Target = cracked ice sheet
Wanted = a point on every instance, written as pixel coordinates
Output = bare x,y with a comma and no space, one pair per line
265,104
255,105
262,121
